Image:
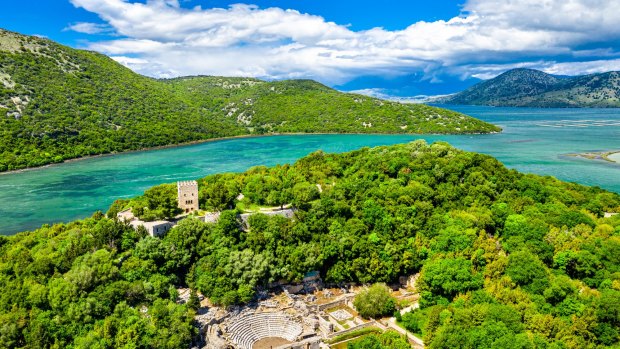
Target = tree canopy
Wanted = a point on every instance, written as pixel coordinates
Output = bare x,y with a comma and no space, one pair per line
386,340
506,259
376,301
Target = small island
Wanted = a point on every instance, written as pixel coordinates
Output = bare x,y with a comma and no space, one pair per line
607,155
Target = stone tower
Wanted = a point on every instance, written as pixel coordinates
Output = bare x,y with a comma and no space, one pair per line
187,196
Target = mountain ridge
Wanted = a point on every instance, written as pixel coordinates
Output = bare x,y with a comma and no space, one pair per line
59,103
524,87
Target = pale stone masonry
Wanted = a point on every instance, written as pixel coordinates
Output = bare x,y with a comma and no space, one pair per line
187,196
156,228
187,199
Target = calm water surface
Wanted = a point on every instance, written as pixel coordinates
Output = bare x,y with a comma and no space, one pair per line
534,140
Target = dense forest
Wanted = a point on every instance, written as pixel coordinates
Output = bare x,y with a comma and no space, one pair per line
59,103
507,260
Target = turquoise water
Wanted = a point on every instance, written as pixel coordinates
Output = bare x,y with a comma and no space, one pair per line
534,140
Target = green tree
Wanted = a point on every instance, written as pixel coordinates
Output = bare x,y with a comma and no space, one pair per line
193,302
386,340
376,301
527,270
447,277
161,201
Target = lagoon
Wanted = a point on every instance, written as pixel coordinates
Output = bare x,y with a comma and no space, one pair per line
533,140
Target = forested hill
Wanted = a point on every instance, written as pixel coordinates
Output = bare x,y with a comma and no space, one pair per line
308,106
507,260
60,103
533,88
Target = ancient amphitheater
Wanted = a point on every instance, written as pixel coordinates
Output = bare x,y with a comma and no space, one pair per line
293,317
247,330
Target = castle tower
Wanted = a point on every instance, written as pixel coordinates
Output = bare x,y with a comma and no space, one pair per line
187,196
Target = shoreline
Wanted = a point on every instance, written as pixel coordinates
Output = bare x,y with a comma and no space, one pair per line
609,157
217,139
600,155
159,147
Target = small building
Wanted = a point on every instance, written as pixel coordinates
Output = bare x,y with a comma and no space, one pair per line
187,196
609,214
287,213
155,228
211,217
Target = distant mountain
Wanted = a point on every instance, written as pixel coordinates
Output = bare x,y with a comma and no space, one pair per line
59,103
533,88
410,85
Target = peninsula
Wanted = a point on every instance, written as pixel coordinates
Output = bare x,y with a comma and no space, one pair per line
608,155
59,103
456,235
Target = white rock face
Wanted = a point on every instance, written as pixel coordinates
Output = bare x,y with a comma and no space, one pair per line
6,80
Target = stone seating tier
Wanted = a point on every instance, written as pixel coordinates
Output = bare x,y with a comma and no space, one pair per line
247,329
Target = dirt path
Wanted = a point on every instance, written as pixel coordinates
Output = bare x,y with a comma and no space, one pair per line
391,323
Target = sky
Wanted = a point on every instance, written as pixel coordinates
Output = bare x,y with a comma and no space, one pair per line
391,47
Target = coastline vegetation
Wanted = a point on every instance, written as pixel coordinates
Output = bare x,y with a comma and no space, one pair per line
59,103
506,259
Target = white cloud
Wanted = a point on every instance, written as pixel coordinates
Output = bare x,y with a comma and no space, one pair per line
577,68
139,64
89,28
372,92
124,46
278,43
489,71
383,94
130,61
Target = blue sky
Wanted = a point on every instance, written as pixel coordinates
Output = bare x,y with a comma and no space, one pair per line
52,17
392,47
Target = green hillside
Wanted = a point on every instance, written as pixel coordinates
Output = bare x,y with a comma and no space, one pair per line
308,106
533,88
507,260
59,103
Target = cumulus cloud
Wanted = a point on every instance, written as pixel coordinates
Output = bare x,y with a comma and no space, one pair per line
89,28
139,64
577,68
279,43
483,71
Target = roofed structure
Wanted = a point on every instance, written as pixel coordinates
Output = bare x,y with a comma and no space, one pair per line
187,196
155,228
